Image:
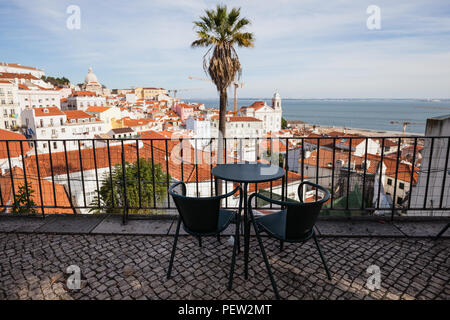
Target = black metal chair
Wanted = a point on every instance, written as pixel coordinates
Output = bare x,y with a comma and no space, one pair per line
202,217
293,223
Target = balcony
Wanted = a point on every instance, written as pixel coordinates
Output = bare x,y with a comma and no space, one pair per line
130,235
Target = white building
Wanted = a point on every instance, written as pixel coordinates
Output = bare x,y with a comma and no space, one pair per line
9,106
18,68
200,127
238,127
270,115
92,84
121,133
105,114
81,100
53,124
372,148
26,79
433,172
31,96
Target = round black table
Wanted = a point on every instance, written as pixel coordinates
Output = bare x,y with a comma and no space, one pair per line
245,173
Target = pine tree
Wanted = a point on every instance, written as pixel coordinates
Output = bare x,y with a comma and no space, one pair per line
24,202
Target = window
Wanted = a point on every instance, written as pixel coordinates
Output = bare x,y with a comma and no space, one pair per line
401,185
6,124
55,145
63,130
389,182
61,121
41,122
399,200
44,146
51,122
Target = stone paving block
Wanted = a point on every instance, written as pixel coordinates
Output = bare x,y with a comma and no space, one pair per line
23,224
357,228
72,224
422,228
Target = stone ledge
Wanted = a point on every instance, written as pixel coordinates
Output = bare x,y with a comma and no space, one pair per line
163,225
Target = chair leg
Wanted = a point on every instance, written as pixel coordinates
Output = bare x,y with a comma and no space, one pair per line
246,248
266,261
218,238
238,235
281,245
233,257
172,256
321,256
442,231
200,242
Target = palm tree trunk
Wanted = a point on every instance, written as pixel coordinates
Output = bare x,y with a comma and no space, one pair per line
221,138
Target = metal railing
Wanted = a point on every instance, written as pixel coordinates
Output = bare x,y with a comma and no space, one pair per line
384,176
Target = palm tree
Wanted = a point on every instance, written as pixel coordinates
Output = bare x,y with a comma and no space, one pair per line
220,30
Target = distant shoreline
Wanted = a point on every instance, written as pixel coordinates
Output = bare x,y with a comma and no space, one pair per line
354,130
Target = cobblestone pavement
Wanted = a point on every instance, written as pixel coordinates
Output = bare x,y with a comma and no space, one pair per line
32,266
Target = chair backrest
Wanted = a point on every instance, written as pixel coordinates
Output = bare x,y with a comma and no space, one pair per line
301,217
199,215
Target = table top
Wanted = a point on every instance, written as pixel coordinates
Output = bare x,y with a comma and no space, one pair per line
248,172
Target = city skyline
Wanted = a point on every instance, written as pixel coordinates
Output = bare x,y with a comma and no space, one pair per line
302,50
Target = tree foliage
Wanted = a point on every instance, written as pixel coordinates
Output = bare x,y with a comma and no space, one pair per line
283,123
112,195
24,203
220,31
59,82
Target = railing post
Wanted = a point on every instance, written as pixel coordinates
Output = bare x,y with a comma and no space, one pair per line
396,178
124,181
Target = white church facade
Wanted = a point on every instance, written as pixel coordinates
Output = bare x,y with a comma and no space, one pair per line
269,115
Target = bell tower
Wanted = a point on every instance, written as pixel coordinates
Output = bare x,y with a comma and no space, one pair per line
276,101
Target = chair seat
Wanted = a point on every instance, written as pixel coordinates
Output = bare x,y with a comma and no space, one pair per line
225,218
275,225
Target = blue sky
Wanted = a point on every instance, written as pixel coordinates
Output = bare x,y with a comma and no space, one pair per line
303,49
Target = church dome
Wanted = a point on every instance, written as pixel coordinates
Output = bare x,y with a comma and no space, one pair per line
90,77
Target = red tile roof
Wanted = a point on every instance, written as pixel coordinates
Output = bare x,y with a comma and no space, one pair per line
62,199
52,111
84,93
77,114
16,65
237,119
97,109
14,146
9,75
